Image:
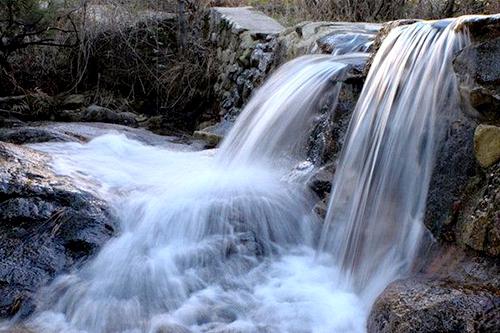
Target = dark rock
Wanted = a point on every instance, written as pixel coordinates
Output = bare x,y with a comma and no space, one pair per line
425,305
477,70
478,220
455,166
483,28
321,181
47,226
321,208
330,127
30,134
105,115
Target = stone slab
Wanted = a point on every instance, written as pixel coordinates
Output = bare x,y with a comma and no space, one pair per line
246,18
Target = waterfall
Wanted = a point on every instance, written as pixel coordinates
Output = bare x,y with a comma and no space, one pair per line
277,120
374,220
206,241
226,241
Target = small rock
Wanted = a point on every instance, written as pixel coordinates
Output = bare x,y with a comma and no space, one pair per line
321,208
211,139
95,113
487,144
321,182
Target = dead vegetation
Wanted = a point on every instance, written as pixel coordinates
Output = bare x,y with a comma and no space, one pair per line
131,55
294,11
120,54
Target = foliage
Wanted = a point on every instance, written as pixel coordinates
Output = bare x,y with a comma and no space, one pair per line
28,30
25,23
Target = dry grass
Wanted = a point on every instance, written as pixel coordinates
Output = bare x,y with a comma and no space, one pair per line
126,55
293,11
131,49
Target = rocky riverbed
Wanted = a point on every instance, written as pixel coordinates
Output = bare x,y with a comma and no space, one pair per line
50,225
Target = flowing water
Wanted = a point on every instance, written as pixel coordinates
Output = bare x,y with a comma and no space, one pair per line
229,243
374,222
275,123
346,37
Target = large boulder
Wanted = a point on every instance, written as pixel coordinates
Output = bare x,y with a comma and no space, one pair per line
31,134
478,219
96,113
477,69
426,305
457,165
47,226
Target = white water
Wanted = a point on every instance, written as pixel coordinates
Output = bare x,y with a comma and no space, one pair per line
348,37
227,243
201,247
275,124
374,221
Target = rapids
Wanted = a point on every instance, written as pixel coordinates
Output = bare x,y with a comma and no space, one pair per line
226,240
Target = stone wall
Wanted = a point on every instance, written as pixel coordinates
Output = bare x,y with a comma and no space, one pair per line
245,42
250,45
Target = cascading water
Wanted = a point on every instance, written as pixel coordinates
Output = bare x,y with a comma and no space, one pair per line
345,38
374,222
275,122
208,243
228,243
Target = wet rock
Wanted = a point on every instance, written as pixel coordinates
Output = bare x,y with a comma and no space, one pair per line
211,139
47,226
483,28
477,70
330,127
487,145
455,167
28,134
478,221
101,114
214,134
321,208
424,305
321,181
324,37
342,43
